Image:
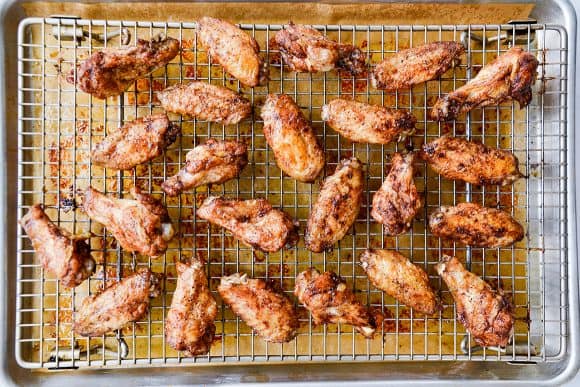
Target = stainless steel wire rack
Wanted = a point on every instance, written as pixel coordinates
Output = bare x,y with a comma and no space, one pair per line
58,125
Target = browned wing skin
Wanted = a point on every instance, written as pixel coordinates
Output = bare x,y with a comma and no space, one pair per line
510,76
361,122
289,134
397,202
416,65
189,326
473,162
394,274
235,50
485,312
337,206
140,225
135,143
67,256
255,222
474,225
268,312
124,302
329,301
214,162
205,102
110,72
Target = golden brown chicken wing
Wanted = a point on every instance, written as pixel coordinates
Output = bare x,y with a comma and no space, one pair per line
510,76
205,102
395,275
473,162
485,312
474,225
361,122
235,50
289,134
337,206
254,222
110,72
416,65
214,162
269,313
189,325
140,225
329,301
397,202
124,302
66,256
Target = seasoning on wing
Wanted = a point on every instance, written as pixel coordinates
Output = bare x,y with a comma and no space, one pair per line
485,312
140,225
110,72
329,300
416,65
269,313
289,134
361,122
337,206
67,256
510,76
118,305
205,102
474,225
236,51
473,162
394,274
255,222
397,202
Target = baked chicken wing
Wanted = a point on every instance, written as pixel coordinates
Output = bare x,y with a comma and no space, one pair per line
205,102
254,222
329,301
214,162
510,76
66,256
271,314
397,202
118,305
474,225
289,134
141,225
337,206
361,122
485,312
416,65
110,72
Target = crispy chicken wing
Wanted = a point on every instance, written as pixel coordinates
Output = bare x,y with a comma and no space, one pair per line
255,222
329,301
510,76
395,275
66,256
361,122
110,72
473,162
416,65
296,149
189,325
485,312
235,50
205,102
474,225
337,206
140,225
397,202
269,313
214,162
